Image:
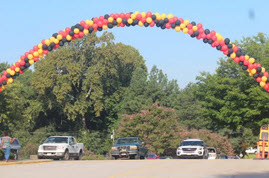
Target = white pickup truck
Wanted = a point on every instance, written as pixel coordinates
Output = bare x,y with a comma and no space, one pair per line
251,150
60,147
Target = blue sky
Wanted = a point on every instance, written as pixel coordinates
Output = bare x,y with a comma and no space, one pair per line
25,23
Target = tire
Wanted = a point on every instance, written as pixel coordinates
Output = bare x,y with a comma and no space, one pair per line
79,156
114,157
66,155
16,156
137,156
39,157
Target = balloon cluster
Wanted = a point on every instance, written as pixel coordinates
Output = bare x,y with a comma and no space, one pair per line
143,19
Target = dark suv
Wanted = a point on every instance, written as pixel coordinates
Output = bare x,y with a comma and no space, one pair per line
129,147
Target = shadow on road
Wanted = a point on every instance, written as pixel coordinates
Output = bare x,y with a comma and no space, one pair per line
246,175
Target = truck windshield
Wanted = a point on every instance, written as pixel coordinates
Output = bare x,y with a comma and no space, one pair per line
127,141
191,143
56,140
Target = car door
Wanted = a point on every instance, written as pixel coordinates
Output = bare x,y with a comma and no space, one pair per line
71,146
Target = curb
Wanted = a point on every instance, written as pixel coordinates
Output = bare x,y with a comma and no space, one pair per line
25,162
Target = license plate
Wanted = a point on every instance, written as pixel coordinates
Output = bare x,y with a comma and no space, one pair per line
49,154
123,150
123,153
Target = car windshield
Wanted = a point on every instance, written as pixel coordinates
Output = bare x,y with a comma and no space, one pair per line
15,142
191,143
127,141
151,156
56,140
211,150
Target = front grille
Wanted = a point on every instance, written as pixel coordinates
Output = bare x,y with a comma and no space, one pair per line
49,147
121,148
188,149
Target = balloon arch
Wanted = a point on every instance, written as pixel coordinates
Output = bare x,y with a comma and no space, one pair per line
148,19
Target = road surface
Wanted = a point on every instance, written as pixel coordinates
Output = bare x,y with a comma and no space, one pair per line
139,168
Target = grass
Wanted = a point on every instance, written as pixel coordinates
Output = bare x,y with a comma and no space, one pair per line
250,156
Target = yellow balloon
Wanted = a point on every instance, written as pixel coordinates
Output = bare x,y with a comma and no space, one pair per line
133,16
246,57
76,30
89,22
264,79
12,72
31,62
137,12
250,74
35,54
110,19
169,16
158,17
140,23
182,26
40,45
56,41
130,21
40,51
149,20
47,42
263,69
262,84
59,37
185,30
41,55
163,16
3,87
30,56
194,28
10,80
119,20
233,55
8,70
186,22
85,31
104,27
52,39
251,60
177,28
68,37
143,14
17,69
253,71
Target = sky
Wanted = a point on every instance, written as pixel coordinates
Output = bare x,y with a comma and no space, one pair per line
25,23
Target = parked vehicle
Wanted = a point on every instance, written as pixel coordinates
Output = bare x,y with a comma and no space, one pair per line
15,148
212,153
60,147
251,150
223,157
152,156
192,148
129,147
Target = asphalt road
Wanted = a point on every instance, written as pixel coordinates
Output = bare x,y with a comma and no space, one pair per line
139,168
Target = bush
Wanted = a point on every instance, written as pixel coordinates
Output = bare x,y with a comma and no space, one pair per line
29,149
94,157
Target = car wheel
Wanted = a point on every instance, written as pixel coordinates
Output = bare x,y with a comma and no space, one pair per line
66,155
137,156
114,158
79,156
39,157
16,156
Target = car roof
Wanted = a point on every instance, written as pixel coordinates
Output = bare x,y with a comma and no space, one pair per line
127,137
193,140
60,136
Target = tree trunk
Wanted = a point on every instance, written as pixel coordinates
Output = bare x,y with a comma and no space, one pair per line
84,123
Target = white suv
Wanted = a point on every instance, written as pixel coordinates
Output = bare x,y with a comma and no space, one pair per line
192,148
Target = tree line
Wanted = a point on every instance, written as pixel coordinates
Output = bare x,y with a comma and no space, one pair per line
94,85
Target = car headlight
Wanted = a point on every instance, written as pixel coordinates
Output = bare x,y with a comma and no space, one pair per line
133,147
114,148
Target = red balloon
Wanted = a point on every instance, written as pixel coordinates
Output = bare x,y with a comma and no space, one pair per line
181,20
189,26
12,67
22,63
203,35
250,66
175,18
222,43
266,87
43,41
259,65
36,59
199,25
246,62
143,19
76,36
22,57
116,16
216,43
100,23
64,34
31,51
122,24
265,74
26,54
226,52
122,15
259,79
168,26
86,26
67,29
105,21
242,58
95,19
190,32
82,23
171,21
1,79
81,34
101,18
198,37
235,48
208,36
35,48
213,32
224,47
138,16
45,51
201,30
4,77
148,14
95,26
21,71
4,72
236,60
127,15
214,38
152,23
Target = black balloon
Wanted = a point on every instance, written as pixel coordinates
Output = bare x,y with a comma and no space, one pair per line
244,67
27,65
4,82
44,46
238,53
259,69
106,16
205,40
81,28
166,20
153,17
71,33
0,84
173,25
227,41
193,23
91,29
115,22
210,41
110,25
22,67
55,35
260,74
230,46
8,75
255,75
99,28
146,24
177,22
218,47
64,40
61,43
207,31
26,59
49,48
